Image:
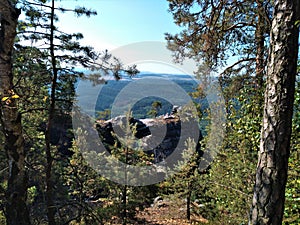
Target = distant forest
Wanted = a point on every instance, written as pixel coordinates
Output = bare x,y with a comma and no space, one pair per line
141,109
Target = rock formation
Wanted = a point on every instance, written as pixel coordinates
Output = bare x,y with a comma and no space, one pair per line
160,136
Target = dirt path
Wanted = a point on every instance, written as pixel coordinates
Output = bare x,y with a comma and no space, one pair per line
168,214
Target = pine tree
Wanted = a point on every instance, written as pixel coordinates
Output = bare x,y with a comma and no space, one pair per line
214,31
155,107
272,168
129,151
31,83
62,53
15,209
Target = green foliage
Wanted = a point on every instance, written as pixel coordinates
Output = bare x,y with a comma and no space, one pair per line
292,194
31,194
80,194
104,115
2,218
150,107
117,198
155,107
212,32
86,191
3,175
32,80
230,181
51,64
244,121
127,148
3,184
129,151
187,183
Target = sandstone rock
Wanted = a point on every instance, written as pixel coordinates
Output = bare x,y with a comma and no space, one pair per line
159,136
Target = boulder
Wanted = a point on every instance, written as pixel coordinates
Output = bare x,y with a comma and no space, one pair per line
160,136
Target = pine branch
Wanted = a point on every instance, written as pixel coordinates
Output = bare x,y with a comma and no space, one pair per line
237,63
229,187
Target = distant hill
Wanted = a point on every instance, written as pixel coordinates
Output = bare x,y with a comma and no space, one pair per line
112,88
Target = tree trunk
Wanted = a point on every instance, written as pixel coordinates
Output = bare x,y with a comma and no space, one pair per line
260,44
188,202
271,174
124,192
51,209
15,209
124,205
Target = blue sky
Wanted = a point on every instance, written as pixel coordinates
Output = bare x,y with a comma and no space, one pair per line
119,22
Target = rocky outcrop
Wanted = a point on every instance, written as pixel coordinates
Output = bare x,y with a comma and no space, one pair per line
160,136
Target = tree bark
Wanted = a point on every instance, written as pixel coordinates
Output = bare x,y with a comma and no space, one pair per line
188,202
260,44
124,205
271,175
51,209
15,208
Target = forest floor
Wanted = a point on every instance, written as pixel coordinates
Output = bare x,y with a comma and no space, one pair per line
168,214
164,212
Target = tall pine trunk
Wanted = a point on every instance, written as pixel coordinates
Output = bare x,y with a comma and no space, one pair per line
271,174
51,209
260,43
15,208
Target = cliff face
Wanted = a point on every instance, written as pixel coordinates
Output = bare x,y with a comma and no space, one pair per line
159,136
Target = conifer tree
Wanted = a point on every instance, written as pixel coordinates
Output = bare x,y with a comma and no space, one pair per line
217,32
272,167
62,54
15,207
